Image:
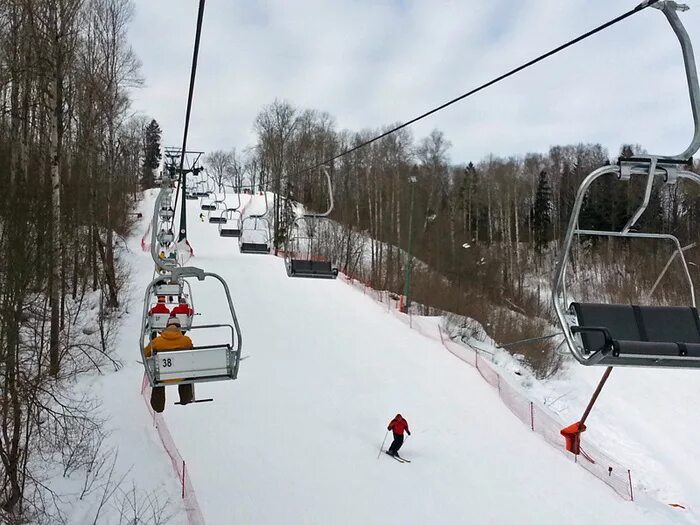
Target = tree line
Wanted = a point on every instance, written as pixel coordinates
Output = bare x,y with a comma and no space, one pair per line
485,232
72,160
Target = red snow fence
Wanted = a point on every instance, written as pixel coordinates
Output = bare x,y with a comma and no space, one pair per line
194,513
537,417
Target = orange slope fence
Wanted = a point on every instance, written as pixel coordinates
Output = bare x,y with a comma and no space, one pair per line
534,415
189,498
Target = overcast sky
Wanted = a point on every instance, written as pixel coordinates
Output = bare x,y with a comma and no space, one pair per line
370,63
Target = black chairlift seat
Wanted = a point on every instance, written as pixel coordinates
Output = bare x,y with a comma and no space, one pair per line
208,207
254,247
192,196
629,335
217,220
229,232
311,269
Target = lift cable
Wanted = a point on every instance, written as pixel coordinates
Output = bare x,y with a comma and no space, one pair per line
183,212
639,8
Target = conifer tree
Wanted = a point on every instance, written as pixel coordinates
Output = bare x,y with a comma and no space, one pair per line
152,156
542,212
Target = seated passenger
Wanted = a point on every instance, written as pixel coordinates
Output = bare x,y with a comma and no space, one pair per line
183,308
171,339
160,307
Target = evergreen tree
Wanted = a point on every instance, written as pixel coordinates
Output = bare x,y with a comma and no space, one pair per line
152,154
542,212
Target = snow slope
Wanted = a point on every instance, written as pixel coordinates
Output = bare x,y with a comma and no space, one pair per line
647,418
296,438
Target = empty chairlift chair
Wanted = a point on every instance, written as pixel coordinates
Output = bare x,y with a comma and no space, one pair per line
206,203
232,226
635,335
255,233
300,257
217,216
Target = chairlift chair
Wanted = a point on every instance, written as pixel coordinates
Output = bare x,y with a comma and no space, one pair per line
167,214
158,321
206,204
255,233
200,364
168,263
232,223
310,266
165,237
217,219
636,335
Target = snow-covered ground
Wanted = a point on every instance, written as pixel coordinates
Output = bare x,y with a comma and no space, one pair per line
296,438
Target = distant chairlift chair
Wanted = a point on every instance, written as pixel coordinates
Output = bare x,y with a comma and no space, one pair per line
255,233
231,225
310,266
631,335
158,321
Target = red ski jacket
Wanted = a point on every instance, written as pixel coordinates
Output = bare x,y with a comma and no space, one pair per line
399,425
183,308
159,308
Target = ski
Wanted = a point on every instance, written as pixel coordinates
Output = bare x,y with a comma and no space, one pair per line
396,457
195,401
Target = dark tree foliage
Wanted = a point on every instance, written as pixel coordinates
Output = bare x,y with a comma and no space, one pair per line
542,212
152,154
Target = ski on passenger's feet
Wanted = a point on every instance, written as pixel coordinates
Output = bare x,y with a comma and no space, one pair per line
195,401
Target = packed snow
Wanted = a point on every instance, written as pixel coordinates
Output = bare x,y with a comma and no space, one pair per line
296,438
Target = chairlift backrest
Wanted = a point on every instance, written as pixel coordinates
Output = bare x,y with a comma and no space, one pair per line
213,362
168,289
158,321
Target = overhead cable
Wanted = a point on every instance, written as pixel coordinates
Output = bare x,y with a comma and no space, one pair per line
190,95
490,83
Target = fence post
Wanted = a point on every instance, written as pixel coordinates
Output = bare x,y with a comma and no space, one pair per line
410,319
441,338
183,479
532,416
629,476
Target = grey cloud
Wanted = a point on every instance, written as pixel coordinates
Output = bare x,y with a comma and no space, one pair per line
374,63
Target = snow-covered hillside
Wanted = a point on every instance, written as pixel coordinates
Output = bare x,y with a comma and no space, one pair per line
296,438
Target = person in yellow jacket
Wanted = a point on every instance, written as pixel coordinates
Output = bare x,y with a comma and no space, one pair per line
171,339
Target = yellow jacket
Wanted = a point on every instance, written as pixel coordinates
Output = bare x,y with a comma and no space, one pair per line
169,340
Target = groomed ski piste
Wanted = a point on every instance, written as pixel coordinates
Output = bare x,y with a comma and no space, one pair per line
296,438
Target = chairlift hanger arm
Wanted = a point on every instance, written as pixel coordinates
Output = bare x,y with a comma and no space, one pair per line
669,9
326,173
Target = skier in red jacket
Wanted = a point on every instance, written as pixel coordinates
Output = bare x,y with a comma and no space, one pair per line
398,426
160,307
183,308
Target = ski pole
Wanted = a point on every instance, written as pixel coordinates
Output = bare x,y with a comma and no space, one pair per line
382,447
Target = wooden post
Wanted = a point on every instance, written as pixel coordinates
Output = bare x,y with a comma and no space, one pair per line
532,416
